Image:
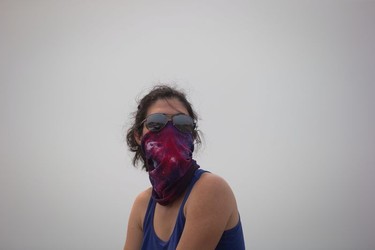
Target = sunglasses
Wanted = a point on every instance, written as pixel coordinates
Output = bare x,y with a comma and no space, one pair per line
155,122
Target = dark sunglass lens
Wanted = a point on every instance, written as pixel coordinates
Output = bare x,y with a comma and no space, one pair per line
184,123
155,122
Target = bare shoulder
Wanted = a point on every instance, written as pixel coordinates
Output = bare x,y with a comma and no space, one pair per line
142,200
140,206
213,189
135,222
212,184
209,210
144,196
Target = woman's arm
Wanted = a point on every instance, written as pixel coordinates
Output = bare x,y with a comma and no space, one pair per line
134,233
210,210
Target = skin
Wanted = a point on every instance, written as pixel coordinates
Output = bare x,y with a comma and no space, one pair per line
207,216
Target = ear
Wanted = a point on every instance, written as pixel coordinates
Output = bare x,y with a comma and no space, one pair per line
137,137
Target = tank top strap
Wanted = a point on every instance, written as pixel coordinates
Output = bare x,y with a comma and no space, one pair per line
148,219
195,178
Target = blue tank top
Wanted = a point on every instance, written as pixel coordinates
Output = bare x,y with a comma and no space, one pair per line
231,239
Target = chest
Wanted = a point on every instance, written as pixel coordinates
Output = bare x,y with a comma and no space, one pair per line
164,220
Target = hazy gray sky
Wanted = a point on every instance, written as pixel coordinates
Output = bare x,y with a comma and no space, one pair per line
285,93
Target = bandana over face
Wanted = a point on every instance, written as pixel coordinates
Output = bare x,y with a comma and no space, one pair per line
169,162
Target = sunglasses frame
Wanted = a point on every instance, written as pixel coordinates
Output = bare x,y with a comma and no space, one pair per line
170,118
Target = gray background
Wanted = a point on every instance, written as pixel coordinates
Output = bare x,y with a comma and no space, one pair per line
284,89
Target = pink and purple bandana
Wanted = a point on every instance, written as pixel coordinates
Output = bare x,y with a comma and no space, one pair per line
169,162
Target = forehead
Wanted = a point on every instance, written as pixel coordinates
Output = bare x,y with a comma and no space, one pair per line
167,106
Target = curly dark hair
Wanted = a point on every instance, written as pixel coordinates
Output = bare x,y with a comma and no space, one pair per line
158,92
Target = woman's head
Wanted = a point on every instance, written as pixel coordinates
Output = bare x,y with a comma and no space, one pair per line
161,99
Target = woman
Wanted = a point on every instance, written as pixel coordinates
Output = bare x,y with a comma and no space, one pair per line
186,207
